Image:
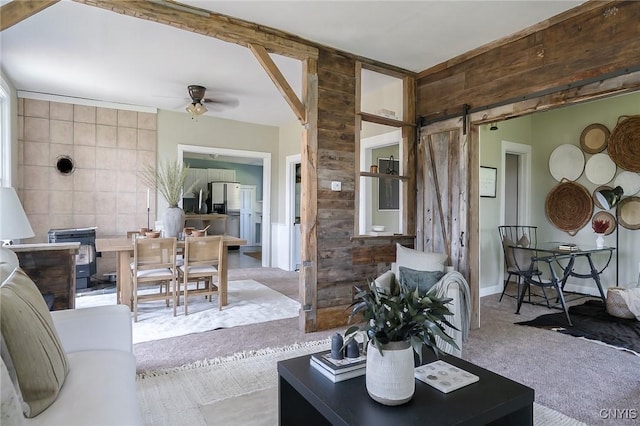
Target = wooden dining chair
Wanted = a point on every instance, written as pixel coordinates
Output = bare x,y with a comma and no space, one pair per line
201,263
154,264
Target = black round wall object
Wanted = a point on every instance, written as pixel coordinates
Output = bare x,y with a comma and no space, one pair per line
64,165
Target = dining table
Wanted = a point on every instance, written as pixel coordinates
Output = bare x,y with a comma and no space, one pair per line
123,247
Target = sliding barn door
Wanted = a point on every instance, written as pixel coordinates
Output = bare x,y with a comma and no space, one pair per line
447,200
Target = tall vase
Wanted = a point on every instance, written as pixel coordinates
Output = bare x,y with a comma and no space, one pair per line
173,222
599,241
390,376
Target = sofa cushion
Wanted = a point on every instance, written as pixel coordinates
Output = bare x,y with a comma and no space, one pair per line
410,279
10,409
99,390
32,342
419,260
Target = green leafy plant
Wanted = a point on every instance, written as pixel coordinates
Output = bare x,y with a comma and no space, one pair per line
405,315
168,179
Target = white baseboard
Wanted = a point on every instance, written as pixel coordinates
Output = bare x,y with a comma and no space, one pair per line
488,291
589,288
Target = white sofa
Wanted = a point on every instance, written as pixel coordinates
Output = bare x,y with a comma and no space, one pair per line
100,386
452,285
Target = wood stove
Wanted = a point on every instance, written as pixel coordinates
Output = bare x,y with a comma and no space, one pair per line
86,257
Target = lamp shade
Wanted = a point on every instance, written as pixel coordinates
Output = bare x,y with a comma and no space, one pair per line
609,198
13,220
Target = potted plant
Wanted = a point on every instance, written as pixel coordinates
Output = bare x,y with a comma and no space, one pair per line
168,179
397,324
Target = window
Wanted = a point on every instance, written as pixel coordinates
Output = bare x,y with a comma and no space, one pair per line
381,151
5,134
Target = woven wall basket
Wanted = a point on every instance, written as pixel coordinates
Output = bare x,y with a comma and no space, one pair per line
629,213
624,143
569,206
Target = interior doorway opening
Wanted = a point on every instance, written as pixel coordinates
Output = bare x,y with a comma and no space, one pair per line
265,159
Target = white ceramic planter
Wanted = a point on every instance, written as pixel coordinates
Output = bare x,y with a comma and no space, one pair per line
173,222
390,377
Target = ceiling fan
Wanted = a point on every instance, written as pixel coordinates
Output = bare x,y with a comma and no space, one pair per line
197,93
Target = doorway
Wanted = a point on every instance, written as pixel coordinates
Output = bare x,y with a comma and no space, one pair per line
293,198
265,159
516,187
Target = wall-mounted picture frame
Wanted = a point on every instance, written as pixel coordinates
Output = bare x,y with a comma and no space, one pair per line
488,177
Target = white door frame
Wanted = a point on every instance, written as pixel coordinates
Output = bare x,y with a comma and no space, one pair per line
289,203
266,186
523,152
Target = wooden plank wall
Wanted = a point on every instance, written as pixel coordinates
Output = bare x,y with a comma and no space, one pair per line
604,38
342,262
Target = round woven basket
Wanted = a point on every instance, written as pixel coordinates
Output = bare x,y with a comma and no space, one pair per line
624,143
594,138
616,306
629,213
569,206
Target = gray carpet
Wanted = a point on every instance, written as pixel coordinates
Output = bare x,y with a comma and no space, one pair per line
579,378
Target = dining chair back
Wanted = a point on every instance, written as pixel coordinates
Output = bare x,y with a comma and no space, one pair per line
517,261
154,264
202,256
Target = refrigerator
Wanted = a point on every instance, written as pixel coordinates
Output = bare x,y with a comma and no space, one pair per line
225,199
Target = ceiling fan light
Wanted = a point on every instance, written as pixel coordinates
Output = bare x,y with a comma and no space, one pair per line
196,108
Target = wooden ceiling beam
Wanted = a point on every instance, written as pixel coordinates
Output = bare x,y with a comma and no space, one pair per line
211,24
17,11
280,81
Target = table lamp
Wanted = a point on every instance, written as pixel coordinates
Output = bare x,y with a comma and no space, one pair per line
13,223
610,198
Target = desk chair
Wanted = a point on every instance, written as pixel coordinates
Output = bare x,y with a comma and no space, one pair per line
154,263
524,236
201,261
534,277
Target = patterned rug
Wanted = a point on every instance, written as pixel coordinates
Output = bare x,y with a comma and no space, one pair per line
240,390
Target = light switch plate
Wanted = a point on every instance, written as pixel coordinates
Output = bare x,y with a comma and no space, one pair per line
336,186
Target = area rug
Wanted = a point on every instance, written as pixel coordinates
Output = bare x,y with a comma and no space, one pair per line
240,390
592,322
249,302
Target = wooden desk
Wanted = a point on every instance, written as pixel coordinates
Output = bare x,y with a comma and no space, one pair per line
123,247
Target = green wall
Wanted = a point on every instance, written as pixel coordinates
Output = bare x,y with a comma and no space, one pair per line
545,131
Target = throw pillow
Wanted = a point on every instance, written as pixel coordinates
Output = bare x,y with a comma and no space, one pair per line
386,282
32,342
523,241
410,279
419,260
507,244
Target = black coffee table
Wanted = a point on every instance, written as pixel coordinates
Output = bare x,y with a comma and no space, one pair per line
307,398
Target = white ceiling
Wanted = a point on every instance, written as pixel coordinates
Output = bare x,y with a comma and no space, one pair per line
80,51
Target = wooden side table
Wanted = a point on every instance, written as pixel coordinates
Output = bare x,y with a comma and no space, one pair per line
52,267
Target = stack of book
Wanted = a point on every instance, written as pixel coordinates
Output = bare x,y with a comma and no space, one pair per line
338,370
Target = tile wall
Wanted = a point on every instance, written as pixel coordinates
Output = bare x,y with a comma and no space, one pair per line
108,147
